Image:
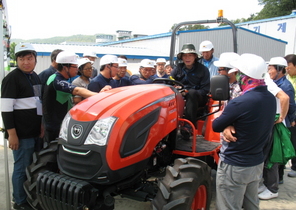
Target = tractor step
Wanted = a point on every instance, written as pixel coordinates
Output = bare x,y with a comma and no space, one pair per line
202,145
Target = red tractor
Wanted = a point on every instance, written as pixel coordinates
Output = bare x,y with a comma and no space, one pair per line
127,142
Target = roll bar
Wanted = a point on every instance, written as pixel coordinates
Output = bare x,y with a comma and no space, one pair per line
218,20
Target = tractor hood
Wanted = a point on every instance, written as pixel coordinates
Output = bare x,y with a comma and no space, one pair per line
120,101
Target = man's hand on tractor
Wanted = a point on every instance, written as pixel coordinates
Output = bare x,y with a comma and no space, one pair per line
228,134
107,87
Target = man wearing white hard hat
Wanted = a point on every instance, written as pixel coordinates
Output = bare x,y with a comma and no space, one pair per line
21,113
108,70
120,78
57,97
146,73
45,74
273,175
252,114
85,70
160,68
225,68
207,50
92,56
168,68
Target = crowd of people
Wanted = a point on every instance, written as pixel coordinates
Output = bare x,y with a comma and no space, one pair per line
262,97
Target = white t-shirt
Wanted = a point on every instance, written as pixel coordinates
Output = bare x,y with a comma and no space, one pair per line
274,89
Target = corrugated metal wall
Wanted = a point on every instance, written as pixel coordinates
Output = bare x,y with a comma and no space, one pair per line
222,39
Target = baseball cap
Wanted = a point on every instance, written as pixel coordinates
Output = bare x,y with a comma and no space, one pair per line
205,46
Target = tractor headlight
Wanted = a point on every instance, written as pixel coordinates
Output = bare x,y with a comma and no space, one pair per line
64,128
100,132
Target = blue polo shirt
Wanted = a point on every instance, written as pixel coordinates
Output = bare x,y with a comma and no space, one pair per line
97,83
252,116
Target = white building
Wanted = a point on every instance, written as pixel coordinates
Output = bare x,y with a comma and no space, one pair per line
283,28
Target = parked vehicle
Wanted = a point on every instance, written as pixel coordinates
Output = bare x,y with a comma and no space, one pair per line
127,142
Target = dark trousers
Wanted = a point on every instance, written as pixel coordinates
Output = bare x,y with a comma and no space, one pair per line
293,139
51,135
193,101
271,178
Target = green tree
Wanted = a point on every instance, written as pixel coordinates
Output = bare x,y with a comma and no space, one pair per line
275,8
190,27
11,51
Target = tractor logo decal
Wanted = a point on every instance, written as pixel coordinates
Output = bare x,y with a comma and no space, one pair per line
76,131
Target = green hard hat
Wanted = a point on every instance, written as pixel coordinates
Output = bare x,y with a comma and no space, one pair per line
187,48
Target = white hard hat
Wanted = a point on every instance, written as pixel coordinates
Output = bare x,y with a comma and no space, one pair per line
279,61
160,60
122,62
67,57
147,63
205,46
83,61
251,65
225,58
108,59
23,47
233,70
90,54
167,63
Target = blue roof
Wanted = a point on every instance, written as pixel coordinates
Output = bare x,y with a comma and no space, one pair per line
137,39
292,15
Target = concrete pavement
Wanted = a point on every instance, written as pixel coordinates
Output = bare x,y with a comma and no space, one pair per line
285,201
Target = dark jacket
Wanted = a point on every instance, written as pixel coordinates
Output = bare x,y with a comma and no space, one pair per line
287,87
197,78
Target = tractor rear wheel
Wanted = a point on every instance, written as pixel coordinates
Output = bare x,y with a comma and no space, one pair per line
44,160
186,186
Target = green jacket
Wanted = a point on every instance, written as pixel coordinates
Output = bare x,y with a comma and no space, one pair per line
282,149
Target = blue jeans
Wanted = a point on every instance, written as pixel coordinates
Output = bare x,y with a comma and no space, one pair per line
22,158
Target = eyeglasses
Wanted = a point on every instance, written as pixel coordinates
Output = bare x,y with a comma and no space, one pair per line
75,67
223,69
115,66
88,69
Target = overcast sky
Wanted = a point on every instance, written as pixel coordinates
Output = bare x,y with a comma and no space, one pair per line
30,19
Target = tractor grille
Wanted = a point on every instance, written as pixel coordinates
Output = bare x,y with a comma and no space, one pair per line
79,166
55,191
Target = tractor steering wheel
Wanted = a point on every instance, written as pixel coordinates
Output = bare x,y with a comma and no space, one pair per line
169,82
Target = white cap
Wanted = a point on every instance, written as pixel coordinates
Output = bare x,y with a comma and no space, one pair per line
23,47
160,60
67,57
167,63
83,61
205,46
251,65
147,63
90,54
232,70
225,58
279,61
122,62
108,59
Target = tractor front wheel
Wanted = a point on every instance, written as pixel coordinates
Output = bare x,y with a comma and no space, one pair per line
186,186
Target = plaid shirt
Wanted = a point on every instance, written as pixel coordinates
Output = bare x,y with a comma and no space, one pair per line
235,90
